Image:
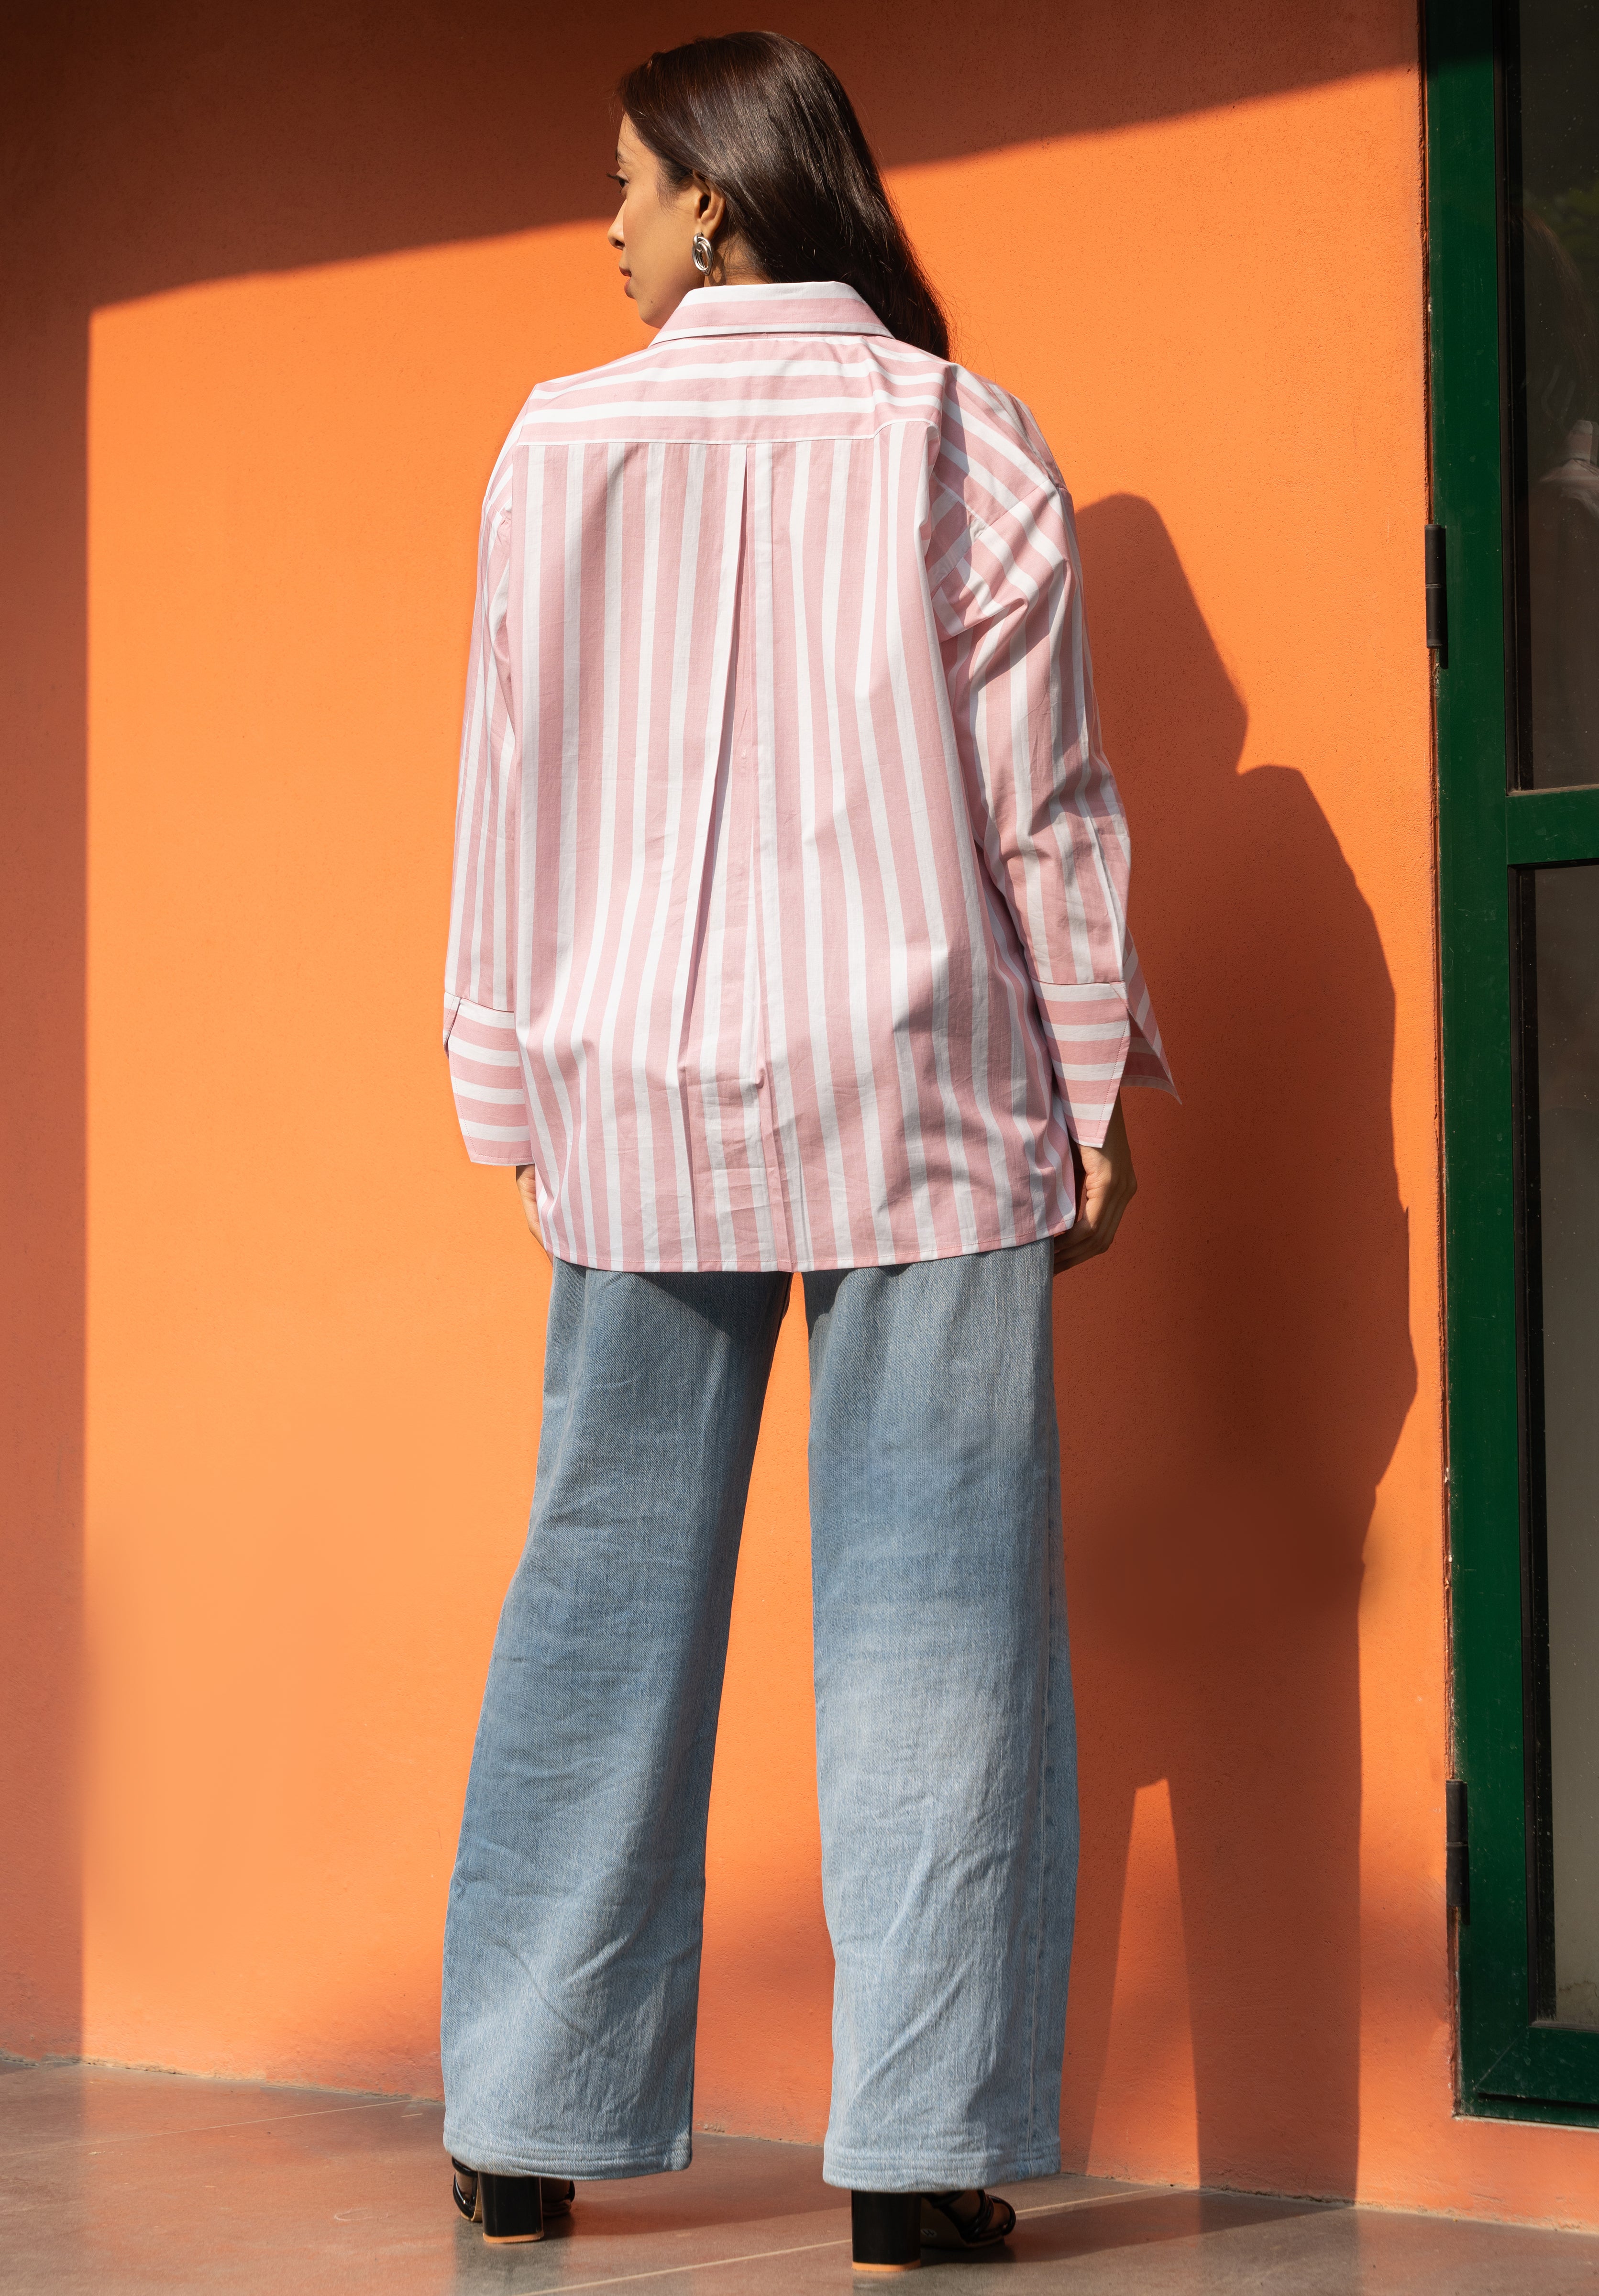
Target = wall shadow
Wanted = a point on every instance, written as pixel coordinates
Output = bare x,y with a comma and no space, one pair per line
145,149
1226,1429
176,141
1084,2230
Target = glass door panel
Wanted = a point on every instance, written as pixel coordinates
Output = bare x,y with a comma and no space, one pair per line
1560,917
1552,332
1512,135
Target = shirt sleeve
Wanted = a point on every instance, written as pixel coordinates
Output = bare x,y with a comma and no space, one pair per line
479,1001
1008,593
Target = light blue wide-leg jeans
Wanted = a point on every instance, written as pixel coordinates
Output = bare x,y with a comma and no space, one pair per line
945,1747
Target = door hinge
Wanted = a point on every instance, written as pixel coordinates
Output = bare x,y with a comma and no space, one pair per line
1436,592
1457,1850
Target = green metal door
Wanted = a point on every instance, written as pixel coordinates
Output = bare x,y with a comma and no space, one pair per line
1513,270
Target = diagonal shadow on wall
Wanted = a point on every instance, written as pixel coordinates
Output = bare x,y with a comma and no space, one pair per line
1258,1363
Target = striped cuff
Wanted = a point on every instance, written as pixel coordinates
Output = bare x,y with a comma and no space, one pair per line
485,1076
1103,1036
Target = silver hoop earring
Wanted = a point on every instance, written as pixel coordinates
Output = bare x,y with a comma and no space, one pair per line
703,253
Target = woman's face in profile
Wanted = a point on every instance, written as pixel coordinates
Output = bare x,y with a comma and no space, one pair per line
654,230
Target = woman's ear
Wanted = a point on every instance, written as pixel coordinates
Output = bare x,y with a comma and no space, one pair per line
710,209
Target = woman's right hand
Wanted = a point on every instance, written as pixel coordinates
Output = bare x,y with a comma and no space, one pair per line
1109,1183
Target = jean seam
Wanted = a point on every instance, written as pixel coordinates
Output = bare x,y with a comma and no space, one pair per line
1051,1521
1032,2060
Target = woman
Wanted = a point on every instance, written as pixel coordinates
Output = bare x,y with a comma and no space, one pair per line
789,934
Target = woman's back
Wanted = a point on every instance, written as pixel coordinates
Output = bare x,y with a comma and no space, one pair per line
788,927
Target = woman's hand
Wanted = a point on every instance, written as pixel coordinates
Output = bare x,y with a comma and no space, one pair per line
1109,1183
527,1188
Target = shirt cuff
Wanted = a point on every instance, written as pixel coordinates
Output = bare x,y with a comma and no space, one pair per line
485,1076
1103,1037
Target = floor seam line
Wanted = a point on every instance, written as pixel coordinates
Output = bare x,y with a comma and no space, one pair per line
811,2247
203,2129
703,2264
1093,2200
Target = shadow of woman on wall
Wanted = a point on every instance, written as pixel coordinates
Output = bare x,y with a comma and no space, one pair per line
1232,1381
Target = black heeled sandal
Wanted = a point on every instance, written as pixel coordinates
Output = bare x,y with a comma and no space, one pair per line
990,2222
511,2210
885,2230
889,2230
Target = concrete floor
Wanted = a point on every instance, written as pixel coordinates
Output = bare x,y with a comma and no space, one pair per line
118,2182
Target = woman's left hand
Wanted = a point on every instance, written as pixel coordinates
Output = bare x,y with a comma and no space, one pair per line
1109,1185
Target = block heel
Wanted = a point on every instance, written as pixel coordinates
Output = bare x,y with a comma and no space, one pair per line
511,2210
885,2231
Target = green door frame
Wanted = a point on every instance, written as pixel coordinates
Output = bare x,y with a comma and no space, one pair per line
1511,2064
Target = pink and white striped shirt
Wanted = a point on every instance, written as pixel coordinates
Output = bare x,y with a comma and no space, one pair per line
789,915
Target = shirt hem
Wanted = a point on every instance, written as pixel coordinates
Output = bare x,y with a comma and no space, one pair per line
815,1266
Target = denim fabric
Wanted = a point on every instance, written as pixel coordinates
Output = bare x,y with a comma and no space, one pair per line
945,1747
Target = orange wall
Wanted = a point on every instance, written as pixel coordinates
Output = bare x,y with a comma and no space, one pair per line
310,1355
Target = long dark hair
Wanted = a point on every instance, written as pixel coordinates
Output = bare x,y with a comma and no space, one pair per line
766,123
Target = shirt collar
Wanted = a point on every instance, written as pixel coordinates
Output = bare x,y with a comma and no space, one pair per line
803,307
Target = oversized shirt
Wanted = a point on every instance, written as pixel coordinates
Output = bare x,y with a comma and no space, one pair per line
789,915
